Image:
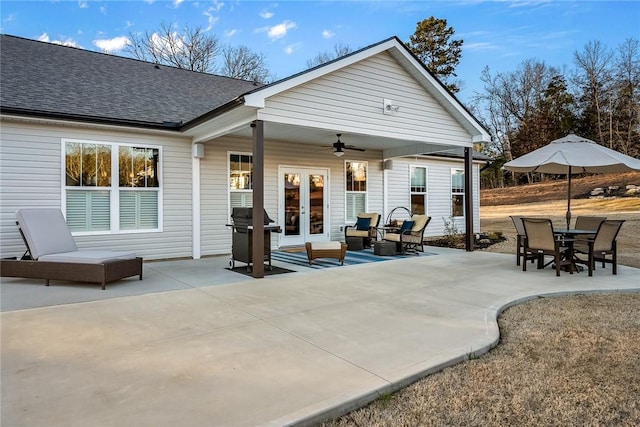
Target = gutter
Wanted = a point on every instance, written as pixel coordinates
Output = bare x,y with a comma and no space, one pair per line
167,125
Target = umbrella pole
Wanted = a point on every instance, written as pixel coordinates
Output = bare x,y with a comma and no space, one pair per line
569,200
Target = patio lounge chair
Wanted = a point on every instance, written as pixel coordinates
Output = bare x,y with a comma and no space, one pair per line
411,234
53,254
541,241
602,245
366,227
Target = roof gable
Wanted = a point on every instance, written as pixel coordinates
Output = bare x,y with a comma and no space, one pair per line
257,97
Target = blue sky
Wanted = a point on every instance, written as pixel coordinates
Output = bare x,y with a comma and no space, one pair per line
498,34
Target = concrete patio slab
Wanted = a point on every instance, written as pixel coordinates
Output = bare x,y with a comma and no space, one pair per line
288,349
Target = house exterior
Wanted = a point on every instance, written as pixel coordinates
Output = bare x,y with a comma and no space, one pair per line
152,159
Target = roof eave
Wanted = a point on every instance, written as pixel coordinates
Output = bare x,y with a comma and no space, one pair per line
21,112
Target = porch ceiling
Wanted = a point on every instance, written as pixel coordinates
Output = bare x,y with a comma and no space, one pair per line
389,147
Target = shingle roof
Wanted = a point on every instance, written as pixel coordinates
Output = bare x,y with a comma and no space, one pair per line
48,79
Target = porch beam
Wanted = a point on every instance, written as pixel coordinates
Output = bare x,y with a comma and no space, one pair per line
420,148
258,199
468,198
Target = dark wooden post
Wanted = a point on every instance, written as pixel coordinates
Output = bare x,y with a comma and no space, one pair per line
257,254
468,198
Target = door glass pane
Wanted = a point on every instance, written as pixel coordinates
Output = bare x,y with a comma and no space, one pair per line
292,204
316,204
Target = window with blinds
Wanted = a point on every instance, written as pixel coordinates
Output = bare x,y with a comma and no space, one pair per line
240,181
457,192
111,187
355,189
418,190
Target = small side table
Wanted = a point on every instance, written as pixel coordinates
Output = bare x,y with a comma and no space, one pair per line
355,243
384,248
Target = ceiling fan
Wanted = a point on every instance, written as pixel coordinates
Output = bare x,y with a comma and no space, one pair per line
340,146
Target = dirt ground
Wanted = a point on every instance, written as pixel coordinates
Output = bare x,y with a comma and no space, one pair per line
570,361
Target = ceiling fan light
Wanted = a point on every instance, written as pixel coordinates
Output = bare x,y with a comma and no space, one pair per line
338,153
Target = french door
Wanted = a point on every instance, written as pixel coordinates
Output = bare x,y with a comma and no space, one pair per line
304,205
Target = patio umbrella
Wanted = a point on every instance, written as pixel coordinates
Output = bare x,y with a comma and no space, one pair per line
571,155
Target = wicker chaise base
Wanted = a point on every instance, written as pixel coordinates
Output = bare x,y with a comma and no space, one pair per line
338,252
104,273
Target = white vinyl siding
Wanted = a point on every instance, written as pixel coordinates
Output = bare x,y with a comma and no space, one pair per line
351,99
438,187
26,148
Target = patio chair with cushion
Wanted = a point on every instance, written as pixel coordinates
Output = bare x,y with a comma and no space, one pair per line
541,241
366,227
603,244
410,236
53,254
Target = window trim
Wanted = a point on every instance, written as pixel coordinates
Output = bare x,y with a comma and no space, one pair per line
347,193
114,189
426,186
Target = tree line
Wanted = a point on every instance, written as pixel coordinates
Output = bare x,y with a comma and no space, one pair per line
528,107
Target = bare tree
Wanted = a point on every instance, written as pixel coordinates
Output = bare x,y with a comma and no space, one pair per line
339,50
592,78
241,63
624,119
194,49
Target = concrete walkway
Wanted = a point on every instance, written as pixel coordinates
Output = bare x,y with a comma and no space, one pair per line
186,347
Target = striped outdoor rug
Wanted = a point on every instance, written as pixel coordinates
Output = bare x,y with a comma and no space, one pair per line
352,258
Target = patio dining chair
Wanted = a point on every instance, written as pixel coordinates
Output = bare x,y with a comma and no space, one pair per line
521,237
587,223
541,241
602,245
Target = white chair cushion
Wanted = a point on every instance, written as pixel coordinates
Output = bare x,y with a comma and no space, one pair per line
88,256
45,231
319,246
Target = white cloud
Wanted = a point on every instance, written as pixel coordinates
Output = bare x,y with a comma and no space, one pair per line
480,46
44,37
266,14
230,33
83,4
327,34
176,3
280,30
292,48
111,45
210,13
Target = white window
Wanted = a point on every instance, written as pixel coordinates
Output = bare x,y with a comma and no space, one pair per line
355,189
418,190
111,187
457,192
240,181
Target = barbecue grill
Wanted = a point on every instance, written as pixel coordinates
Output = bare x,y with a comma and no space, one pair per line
242,239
